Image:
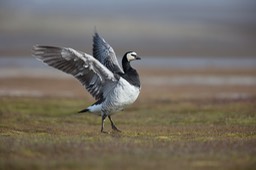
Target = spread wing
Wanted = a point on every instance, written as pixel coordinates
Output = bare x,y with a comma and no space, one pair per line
103,52
96,78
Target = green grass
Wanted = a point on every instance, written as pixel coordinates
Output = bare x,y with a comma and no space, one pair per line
46,133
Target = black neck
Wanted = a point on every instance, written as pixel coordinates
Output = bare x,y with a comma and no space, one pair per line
130,74
126,65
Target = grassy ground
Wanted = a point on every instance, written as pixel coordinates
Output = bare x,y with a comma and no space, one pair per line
46,133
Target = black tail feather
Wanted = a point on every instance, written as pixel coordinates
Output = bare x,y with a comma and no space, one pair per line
84,110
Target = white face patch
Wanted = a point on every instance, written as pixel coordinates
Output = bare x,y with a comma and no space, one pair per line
131,56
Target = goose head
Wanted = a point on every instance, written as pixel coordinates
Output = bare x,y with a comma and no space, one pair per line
130,56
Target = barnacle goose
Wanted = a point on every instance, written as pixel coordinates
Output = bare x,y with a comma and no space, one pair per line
100,74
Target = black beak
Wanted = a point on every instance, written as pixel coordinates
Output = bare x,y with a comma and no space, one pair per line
138,58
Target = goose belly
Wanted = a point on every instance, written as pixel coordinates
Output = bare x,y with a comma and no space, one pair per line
122,95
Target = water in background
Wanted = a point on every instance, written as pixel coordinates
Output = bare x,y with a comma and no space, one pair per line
151,62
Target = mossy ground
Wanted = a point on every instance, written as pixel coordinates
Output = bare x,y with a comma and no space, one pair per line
47,133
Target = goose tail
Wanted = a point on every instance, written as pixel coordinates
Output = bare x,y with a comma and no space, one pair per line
84,110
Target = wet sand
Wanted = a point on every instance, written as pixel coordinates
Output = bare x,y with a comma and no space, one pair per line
162,84
162,78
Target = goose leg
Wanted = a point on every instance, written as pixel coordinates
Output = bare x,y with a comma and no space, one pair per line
103,117
113,125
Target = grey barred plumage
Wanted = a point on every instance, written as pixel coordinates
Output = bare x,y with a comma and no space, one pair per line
100,74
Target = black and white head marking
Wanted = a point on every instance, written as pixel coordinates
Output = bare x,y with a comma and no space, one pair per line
131,56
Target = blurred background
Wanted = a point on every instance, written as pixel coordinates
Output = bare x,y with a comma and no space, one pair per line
198,76
190,48
163,28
